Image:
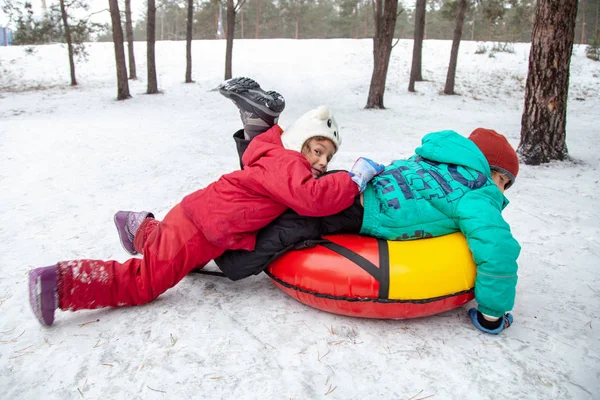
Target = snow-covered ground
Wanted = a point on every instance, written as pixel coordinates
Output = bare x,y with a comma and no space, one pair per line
71,157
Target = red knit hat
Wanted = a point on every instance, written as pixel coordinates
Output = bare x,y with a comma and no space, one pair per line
498,152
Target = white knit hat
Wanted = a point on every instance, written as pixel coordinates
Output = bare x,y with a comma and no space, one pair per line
317,122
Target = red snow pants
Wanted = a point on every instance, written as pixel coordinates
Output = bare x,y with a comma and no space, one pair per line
171,248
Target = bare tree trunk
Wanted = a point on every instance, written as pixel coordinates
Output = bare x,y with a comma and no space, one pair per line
384,22
150,43
63,14
129,32
596,32
230,35
297,23
117,30
473,26
162,24
224,27
460,21
188,41
545,115
582,22
256,27
356,19
415,70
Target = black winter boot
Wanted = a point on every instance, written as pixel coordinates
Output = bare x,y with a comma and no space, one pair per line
259,110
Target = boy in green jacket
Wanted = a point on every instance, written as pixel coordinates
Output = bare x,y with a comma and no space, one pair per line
455,184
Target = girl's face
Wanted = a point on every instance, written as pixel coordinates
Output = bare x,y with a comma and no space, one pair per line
500,180
318,152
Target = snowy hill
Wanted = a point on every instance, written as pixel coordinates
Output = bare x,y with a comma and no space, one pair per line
71,157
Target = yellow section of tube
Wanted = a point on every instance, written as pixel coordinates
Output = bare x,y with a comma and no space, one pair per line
429,268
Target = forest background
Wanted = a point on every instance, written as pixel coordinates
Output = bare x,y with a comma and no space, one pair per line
485,20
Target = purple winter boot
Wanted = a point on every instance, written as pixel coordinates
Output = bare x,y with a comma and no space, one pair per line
43,293
128,222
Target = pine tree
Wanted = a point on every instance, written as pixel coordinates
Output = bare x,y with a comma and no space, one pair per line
543,125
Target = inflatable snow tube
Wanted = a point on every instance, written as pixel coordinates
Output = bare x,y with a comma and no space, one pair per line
373,278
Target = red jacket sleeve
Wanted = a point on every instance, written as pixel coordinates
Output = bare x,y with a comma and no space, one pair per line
291,183
261,144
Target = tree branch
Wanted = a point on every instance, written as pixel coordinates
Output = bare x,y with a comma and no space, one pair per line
97,12
239,5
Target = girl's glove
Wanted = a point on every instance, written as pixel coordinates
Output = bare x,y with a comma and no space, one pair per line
363,171
479,321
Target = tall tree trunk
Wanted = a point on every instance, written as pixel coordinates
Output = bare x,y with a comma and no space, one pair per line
188,41
545,115
356,19
385,23
582,22
415,70
65,21
460,21
150,44
297,24
129,32
117,30
257,24
217,25
220,28
230,35
473,25
162,25
596,32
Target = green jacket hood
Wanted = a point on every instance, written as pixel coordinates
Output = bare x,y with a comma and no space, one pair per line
449,147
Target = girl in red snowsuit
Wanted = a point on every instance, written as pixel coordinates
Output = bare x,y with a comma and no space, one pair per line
225,215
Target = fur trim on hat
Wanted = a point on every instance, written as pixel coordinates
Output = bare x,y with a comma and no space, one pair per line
317,122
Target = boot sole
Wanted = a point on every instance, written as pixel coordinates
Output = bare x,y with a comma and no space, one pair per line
249,96
34,297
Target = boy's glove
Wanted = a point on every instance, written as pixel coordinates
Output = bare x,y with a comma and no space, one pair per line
477,317
363,171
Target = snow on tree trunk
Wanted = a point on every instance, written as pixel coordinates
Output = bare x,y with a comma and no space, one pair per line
545,115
